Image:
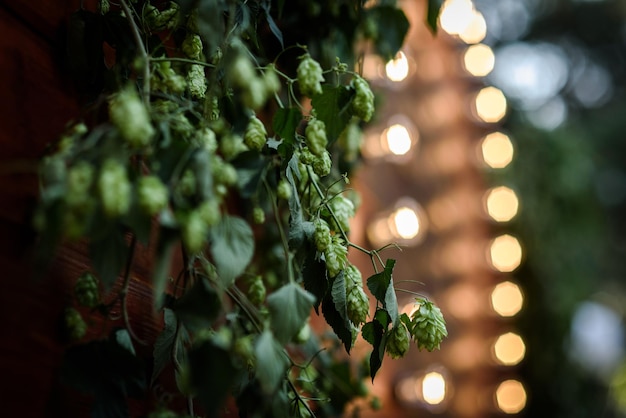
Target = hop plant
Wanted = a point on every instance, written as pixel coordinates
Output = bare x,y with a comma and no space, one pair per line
315,134
209,212
343,209
258,215
256,290
428,327
192,46
336,256
86,290
322,236
152,195
196,81
350,141
114,188
357,302
398,341
131,118
363,103
271,81
194,232
283,190
255,134
310,76
75,325
79,181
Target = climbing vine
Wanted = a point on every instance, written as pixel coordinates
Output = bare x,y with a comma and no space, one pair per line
225,147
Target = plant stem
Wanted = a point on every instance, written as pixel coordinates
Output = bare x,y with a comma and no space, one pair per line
124,291
142,51
184,60
281,231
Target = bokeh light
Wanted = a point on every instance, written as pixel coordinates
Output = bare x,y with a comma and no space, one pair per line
506,253
476,30
502,204
456,16
509,349
433,388
397,139
507,299
398,68
511,396
490,104
479,60
497,150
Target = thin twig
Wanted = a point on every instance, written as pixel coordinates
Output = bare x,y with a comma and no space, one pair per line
124,291
142,51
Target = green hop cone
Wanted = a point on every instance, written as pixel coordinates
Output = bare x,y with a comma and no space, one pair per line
131,118
336,256
283,191
255,134
75,325
192,46
310,76
196,81
152,195
209,212
398,341
79,181
428,327
344,210
322,235
86,290
258,215
114,189
194,232
363,103
315,135
356,300
256,291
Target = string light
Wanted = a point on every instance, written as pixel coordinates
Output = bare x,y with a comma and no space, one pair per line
479,60
433,388
502,204
506,253
490,104
497,150
509,349
476,30
507,299
511,396
398,68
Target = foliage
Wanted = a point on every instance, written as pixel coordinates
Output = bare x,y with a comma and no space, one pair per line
210,147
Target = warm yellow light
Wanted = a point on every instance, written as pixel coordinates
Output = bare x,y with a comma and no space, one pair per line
509,349
507,299
490,104
497,150
479,60
476,30
456,15
433,388
506,253
406,223
511,396
398,139
502,204
398,68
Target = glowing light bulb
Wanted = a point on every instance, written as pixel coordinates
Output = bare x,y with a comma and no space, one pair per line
456,16
509,349
476,30
507,299
511,396
398,139
490,104
398,68
479,60
497,150
506,253
433,388
502,204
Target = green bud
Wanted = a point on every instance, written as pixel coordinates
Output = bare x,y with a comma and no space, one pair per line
152,194
255,135
315,134
114,188
86,290
75,325
310,76
284,189
428,326
130,117
398,341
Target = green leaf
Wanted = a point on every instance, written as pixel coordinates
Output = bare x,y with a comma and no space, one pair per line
212,374
250,169
432,13
168,236
211,23
199,306
376,358
271,362
314,277
296,222
392,28
232,247
200,164
332,107
289,309
270,21
122,337
381,286
334,310
285,123
164,343
108,255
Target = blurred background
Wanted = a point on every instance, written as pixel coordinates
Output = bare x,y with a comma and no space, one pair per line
498,162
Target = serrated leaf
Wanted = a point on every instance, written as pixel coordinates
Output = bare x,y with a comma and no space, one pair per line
164,344
271,362
332,107
212,374
338,292
432,14
285,123
232,247
376,358
315,278
289,309
108,255
392,28
199,306
381,286
338,318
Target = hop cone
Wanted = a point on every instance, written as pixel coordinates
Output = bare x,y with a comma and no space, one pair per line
428,327
398,341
